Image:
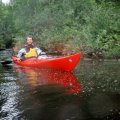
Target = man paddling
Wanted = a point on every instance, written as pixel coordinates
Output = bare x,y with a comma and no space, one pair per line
30,50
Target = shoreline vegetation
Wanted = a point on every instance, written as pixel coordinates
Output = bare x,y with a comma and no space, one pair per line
84,56
63,26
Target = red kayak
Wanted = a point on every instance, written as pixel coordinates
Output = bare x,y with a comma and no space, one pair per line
66,63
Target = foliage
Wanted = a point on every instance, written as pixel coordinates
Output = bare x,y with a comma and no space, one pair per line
79,24
6,26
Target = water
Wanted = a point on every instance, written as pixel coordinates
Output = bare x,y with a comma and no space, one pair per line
91,92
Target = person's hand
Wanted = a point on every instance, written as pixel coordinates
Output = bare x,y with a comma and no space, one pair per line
42,53
18,59
23,54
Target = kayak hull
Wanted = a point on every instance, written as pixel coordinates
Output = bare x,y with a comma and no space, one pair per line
66,63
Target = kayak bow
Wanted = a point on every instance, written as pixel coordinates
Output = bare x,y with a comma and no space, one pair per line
66,63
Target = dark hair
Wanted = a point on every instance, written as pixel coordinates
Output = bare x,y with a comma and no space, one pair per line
30,36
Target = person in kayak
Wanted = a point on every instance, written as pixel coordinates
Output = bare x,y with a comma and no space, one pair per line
30,50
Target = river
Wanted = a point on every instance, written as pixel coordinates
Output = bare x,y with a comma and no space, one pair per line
90,92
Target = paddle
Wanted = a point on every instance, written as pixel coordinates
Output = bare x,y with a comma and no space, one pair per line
6,62
1,49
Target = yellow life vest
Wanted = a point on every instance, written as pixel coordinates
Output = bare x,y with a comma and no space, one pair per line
32,53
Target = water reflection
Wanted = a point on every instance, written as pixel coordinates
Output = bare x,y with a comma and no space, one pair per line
39,94
47,77
47,94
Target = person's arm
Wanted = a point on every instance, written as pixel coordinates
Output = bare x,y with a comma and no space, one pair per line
39,51
20,53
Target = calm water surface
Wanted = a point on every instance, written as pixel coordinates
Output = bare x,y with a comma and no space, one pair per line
91,92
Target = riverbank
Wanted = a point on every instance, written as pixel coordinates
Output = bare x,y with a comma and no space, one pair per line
104,59
85,56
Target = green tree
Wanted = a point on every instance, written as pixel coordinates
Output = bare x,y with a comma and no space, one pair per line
79,24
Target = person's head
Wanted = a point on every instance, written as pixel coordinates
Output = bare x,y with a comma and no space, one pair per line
29,39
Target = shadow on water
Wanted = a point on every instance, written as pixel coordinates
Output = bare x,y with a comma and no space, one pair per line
91,92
